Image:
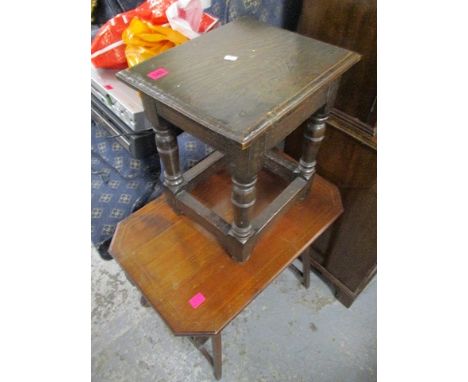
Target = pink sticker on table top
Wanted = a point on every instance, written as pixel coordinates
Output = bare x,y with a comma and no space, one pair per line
158,73
197,300
108,87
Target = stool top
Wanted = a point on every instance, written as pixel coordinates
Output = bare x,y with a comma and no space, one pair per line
185,274
273,71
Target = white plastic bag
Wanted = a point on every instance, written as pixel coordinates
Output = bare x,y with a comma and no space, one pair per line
185,16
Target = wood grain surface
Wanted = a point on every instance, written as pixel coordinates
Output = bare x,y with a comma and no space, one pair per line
275,71
170,258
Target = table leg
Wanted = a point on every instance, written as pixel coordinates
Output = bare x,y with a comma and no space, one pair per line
144,302
217,355
306,268
304,274
166,144
313,137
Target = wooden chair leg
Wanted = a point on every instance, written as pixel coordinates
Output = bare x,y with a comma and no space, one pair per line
217,355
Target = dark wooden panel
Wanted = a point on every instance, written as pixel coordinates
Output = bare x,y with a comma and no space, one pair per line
355,249
350,24
346,254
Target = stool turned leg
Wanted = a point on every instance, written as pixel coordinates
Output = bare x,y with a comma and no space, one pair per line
313,137
217,355
168,150
244,167
166,144
243,199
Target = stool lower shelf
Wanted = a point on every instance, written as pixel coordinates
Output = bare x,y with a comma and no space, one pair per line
171,258
240,248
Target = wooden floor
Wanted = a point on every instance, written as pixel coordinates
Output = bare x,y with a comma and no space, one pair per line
170,258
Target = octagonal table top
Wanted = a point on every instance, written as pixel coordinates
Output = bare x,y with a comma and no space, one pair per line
186,275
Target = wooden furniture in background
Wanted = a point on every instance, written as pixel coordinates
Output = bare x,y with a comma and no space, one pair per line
243,107
350,24
171,259
347,254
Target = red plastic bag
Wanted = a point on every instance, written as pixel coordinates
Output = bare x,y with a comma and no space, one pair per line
108,49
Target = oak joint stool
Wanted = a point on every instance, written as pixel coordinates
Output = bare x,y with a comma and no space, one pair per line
244,109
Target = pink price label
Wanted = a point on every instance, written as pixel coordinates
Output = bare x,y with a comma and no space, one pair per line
108,87
158,73
197,300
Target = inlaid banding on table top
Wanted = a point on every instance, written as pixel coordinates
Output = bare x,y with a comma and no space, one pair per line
170,258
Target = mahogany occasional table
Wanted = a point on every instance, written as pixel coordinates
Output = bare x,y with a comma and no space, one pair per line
183,272
242,89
